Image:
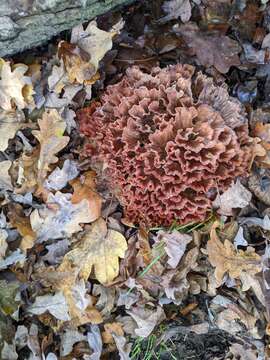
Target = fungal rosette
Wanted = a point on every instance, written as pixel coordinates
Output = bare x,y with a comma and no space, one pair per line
170,142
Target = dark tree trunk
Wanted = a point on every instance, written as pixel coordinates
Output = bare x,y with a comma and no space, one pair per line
28,23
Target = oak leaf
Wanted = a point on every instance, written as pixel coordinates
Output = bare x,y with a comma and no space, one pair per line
78,68
52,140
12,82
93,41
10,123
59,218
226,259
100,248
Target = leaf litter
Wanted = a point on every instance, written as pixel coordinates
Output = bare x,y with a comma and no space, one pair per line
83,281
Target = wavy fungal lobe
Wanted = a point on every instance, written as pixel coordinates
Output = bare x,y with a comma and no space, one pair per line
170,142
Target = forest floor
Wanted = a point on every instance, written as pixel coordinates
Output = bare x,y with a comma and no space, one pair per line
77,279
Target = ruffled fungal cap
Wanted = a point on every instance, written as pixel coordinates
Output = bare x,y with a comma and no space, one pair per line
170,142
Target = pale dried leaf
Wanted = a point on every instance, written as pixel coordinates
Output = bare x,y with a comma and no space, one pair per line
176,9
175,245
146,319
55,304
237,196
95,342
12,84
59,178
122,346
5,180
10,123
241,352
14,258
68,339
3,243
56,252
60,218
99,248
239,239
254,221
92,40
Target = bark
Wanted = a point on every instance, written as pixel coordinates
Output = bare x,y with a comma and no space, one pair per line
28,23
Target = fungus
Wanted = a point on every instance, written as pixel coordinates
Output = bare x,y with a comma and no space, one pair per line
170,141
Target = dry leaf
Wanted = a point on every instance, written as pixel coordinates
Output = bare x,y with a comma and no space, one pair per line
122,346
110,329
56,252
237,196
241,352
175,245
226,259
85,188
93,41
262,132
146,319
10,123
100,248
76,62
176,9
59,178
211,49
68,339
175,282
95,342
23,226
60,218
5,180
28,172
16,257
50,136
55,304
3,243
12,84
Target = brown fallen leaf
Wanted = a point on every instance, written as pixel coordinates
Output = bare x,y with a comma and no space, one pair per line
99,248
23,226
110,329
76,62
262,133
226,259
85,188
211,48
51,139
93,41
28,172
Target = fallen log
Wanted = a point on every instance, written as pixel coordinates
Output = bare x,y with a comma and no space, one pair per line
25,24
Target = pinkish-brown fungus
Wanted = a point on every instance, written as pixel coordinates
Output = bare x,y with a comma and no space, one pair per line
170,141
